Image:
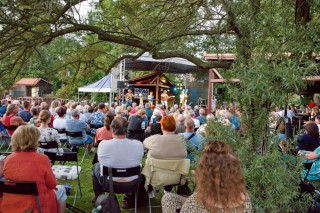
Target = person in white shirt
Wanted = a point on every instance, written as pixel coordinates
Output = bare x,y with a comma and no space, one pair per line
290,114
119,152
60,123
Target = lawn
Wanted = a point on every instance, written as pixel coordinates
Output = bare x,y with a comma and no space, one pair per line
84,202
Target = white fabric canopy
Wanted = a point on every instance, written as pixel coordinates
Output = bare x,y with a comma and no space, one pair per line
103,85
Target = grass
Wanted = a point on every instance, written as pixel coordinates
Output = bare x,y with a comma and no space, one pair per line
84,202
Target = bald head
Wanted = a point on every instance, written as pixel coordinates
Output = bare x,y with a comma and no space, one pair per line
119,126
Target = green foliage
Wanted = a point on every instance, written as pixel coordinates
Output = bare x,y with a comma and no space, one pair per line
272,179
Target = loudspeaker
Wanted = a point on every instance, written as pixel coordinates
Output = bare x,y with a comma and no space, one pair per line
219,91
121,84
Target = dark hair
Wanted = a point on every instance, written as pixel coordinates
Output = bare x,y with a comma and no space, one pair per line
108,119
61,111
312,129
90,109
158,118
35,111
101,106
119,126
26,104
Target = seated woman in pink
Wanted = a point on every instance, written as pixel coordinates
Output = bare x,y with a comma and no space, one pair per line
25,164
10,119
105,132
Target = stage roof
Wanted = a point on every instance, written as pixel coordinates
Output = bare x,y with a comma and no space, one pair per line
171,65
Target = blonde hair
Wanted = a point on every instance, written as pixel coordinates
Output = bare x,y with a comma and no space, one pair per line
44,115
25,139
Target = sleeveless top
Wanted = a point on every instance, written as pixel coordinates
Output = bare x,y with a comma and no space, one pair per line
7,122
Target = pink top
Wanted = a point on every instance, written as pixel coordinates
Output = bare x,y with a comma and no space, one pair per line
103,134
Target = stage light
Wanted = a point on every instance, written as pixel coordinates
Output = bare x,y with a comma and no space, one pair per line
128,85
174,88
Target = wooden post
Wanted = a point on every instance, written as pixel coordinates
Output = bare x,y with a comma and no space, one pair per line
157,90
209,101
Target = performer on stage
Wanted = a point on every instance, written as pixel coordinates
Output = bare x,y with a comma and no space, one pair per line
182,98
150,98
185,98
164,98
129,97
141,99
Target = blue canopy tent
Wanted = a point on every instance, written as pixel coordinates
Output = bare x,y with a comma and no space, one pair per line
103,85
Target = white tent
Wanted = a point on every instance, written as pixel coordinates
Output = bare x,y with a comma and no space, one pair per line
103,85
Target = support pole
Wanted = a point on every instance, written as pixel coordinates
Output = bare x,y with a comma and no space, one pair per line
209,101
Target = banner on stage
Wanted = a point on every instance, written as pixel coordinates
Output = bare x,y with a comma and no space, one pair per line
144,92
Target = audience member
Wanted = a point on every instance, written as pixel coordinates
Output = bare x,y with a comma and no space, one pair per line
196,121
202,116
77,125
35,111
25,164
309,141
180,124
48,134
137,125
10,119
105,133
3,107
169,146
97,118
25,113
195,140
226,192
60,123
118,152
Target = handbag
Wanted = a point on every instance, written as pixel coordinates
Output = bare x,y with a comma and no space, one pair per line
184,190
109,203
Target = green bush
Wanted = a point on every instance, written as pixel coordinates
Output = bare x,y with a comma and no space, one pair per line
272,179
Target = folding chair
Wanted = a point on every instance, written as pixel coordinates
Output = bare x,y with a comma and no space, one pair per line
63,131
63,172
21,188
127,172
160,173
5,139
78,135
49,145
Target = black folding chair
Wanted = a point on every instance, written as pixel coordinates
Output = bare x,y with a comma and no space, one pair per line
63,172
49,145
21,188
63,131
78,135
122,173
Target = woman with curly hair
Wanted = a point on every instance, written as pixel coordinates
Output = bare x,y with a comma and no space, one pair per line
220,184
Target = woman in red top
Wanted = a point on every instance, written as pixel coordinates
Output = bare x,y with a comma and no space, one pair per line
25,164
105,133
11,119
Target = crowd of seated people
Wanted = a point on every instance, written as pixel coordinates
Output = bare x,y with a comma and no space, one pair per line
124,134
